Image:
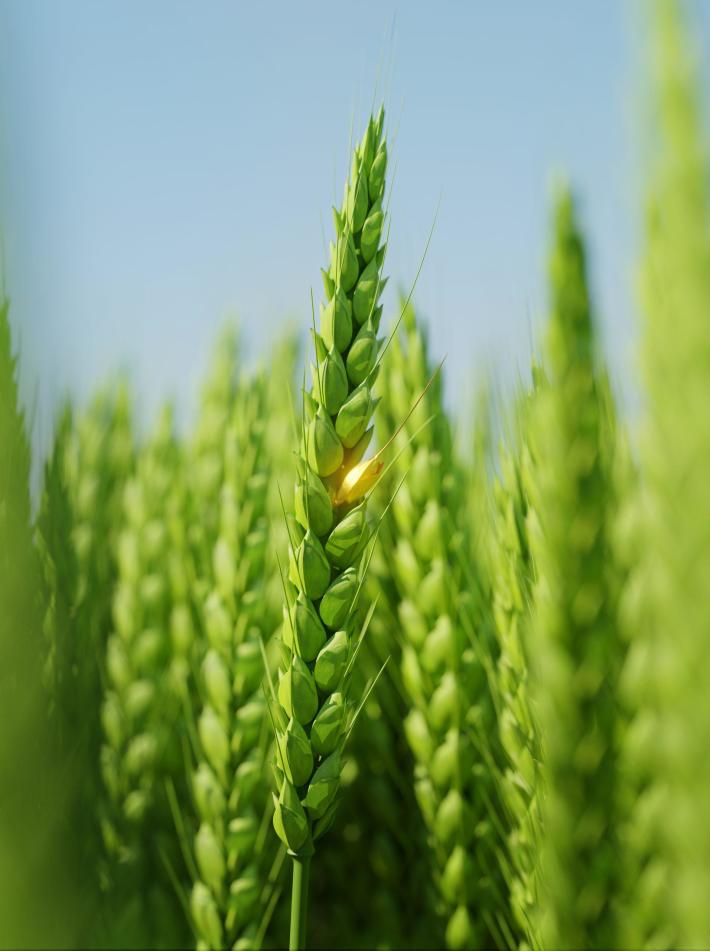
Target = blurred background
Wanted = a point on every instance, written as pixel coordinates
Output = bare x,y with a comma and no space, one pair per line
531,769
164,165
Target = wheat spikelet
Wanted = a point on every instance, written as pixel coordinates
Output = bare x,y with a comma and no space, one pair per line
666,600
438,592
574,644
232,861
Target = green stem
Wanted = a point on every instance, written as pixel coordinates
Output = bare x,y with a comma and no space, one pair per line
299,902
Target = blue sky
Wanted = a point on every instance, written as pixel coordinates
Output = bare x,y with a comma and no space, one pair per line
168,164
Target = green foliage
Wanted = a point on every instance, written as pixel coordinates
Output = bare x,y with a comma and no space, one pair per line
35,909
61,577
70,680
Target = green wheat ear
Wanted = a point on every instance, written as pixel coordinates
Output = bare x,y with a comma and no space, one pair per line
231,865
666,604
206,471
436,588
328,541
574,644
60,572
386,873
138,711
71,679
20,648
79,517
37,907
512,574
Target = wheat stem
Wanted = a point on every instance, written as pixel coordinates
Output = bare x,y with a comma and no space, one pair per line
299,902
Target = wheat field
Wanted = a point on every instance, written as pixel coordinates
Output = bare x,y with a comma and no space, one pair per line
318,671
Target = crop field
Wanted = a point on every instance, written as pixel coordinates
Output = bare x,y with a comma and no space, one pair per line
317,672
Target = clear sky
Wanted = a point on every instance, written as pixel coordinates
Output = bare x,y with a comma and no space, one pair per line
167,164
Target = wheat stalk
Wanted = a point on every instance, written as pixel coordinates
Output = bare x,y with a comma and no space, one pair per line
71,681
231,863
574,643
512,572
330,531
666,600
438,591
138,712
37,909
